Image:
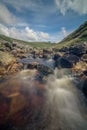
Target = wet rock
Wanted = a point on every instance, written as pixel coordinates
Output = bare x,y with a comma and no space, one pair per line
8,45
71,58
21,55
85,72
46,56
77,50
64,63
45,70
56,57
14,44
2,49
84,58
48,51
64,49
32,65
14,52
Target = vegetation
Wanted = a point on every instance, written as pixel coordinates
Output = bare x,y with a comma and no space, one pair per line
32,44
78,36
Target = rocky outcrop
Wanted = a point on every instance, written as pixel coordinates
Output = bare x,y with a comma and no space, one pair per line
78,50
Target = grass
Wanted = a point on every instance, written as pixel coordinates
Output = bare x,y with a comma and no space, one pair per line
32,44
77,37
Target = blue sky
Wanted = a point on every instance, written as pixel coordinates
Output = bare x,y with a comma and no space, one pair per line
41,20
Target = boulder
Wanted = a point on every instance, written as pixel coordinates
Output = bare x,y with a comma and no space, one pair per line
85,72
84,58
64,49
56,57
32,65
64,63
8,45
71,58
14,52
44,70
77,50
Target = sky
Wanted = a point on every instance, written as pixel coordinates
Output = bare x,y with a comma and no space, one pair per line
41,20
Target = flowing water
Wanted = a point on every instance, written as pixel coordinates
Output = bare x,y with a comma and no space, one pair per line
54,105
63,108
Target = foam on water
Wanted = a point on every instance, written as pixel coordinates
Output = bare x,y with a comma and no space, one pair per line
63,110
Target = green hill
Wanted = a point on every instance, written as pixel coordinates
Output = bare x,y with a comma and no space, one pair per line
4,38
78,36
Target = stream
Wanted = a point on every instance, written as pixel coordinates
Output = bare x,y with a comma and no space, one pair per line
28,104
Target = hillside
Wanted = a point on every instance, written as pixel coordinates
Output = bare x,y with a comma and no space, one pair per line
78,36
4,38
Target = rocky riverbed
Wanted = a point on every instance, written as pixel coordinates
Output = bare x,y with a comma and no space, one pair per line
28,79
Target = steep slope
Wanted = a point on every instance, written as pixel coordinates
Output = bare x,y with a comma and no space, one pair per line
78,36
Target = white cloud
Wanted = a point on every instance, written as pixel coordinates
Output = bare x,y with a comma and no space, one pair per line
64,32
79,6
28,34
4,30
44,35
6,17
24,34
20,5
32,35
37,6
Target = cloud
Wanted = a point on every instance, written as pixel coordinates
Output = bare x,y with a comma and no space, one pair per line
21,5
79,6
64,32
4,30
44,35
29,34
56,38
6,17
24,34
33,5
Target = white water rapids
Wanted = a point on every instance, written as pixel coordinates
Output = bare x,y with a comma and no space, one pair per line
53,105
63,109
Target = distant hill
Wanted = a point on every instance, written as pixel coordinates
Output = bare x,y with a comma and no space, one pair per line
4,38
78,36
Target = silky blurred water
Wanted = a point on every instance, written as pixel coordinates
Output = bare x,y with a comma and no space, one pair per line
54,105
